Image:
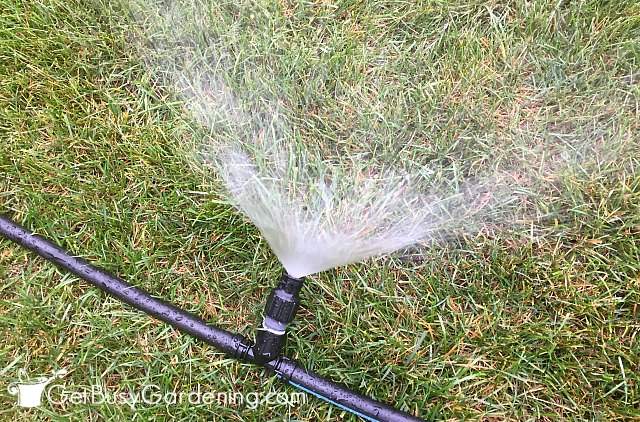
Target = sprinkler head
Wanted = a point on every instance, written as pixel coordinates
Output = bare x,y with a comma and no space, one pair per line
279,311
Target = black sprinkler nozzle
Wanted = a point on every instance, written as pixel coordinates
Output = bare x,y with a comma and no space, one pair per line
279,312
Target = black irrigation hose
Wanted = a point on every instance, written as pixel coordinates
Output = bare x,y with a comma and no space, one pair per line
232,344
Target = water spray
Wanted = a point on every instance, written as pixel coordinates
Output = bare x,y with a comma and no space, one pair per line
280,310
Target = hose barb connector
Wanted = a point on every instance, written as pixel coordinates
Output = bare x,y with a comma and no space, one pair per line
279,311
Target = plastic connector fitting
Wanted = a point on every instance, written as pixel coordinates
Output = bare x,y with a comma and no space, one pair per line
279,311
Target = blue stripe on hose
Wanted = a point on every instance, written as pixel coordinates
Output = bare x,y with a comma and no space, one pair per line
355,412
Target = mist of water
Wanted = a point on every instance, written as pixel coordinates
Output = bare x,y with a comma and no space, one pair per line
318,207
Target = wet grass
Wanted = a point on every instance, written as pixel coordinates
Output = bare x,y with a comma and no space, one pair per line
499,325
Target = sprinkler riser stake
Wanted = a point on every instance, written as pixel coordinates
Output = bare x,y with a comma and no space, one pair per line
279,311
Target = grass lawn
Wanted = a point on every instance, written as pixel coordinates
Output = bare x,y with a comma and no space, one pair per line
498,325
